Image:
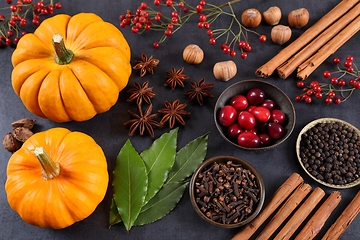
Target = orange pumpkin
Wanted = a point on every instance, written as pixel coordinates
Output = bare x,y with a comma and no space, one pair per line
56,178
71,68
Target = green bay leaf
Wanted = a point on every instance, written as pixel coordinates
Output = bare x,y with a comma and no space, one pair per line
159,159
188,159
162,203
114,217
130,184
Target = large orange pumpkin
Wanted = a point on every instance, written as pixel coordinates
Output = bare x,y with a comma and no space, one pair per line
56,178
71,68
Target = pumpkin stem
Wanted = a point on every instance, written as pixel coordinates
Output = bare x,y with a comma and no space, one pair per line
50,169
63,55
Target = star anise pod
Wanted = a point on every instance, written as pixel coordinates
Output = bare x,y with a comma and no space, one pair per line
144,121
175,77
141,93
146,64
173,112
199,90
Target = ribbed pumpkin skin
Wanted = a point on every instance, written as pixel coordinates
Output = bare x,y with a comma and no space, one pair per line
68,198
88,85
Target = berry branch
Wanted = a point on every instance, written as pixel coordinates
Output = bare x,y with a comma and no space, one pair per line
13,23
338,90
147,18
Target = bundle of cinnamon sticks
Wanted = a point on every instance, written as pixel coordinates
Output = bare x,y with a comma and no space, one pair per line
317,43
297,206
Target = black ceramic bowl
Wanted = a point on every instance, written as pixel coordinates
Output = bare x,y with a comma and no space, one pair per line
272,92
217,202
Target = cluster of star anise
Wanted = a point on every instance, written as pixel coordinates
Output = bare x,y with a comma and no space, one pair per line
172,112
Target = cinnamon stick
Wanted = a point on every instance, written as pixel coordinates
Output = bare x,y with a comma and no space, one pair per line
345,219
268,68
287,208
317,221
291,64
306,68
301,214
274,202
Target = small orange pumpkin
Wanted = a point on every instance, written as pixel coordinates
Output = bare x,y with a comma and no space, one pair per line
71,68
56,178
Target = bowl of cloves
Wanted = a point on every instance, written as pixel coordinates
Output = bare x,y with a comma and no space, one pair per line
227,191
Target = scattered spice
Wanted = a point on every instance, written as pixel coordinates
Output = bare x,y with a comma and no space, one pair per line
226,192
141,93
146,64
199,90
175,77
173,112
144,121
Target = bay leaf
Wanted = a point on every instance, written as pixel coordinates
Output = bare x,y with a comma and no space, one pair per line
130,184
159,159
162,203
114,216
188,159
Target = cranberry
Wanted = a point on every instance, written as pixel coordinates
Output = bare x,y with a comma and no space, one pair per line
269,104
248,139
246,120
262,114
234,130
227,115
255,96
277,116
265,139
275,130
239,102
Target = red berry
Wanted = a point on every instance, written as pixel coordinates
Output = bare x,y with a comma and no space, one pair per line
156,44
275,130
341,83
199,8
248,140
169,3
277,116
239,102
357,85
232,53
234,130
336,60
347,64
328,100
262,38
210,33
334,80
326,74
337,100
212,41
331,94
247,47
300,84
243,55
246,120
349,58
241,44
261,114
227,115
269,104
202,18
255,96
58,5
157,2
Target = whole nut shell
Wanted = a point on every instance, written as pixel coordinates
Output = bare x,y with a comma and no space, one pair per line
193,54
225,70
10,143
272,16
22,134
251,18
280,34
24,122
298,18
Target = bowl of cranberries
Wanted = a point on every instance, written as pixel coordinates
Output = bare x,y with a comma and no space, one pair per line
254,115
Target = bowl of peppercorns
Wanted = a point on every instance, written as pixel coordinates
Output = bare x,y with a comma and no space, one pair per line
227,191
328,149
254,115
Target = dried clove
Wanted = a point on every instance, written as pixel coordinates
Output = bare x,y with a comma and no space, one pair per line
227,192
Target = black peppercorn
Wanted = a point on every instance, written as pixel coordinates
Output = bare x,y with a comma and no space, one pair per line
330,152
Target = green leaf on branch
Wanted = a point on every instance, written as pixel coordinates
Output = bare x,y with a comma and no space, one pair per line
130,184
188,159
162,203
114,217
159,159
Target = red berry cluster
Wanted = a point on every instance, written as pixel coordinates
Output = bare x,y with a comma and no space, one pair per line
176,14
338,89
13,24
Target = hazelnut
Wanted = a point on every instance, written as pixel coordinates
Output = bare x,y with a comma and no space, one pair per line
280,34
225,70
298,18
193,54
272,16
251,17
